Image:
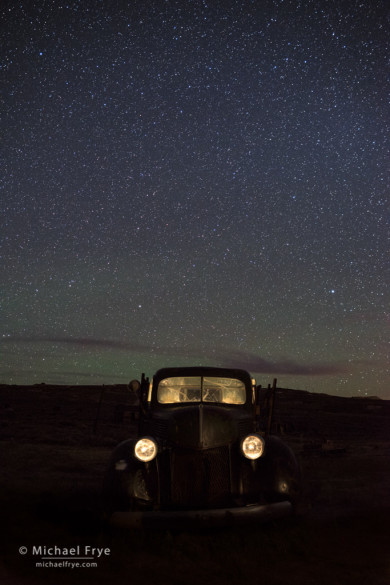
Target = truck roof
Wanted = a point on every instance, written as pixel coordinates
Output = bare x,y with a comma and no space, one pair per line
203,371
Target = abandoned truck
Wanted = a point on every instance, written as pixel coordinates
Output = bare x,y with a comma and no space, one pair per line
200,453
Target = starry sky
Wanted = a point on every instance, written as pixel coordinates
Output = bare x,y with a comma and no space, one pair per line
190,182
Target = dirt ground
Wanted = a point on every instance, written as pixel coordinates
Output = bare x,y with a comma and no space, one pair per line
54,450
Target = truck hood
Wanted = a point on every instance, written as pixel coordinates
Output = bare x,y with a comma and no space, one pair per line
199,426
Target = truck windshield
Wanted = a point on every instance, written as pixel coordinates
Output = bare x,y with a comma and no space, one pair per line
201,389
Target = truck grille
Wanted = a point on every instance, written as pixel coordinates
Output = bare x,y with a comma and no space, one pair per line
200,478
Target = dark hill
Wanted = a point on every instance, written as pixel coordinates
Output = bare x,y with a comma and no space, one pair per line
103,414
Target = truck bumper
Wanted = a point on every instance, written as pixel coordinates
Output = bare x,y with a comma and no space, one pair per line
216,517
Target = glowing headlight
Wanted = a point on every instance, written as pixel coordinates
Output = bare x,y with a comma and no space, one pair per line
253,446
145,449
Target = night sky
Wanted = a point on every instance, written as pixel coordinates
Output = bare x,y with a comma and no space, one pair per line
196,183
